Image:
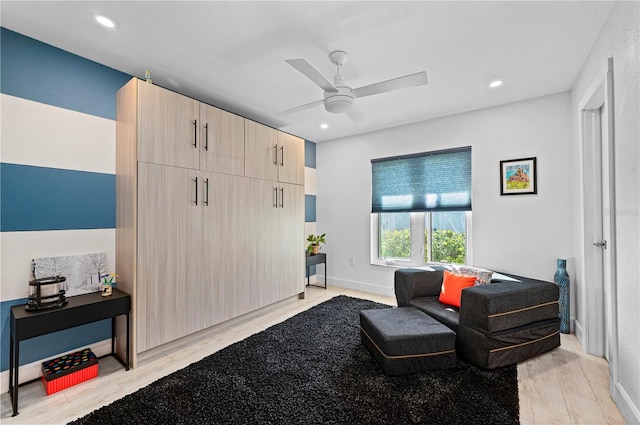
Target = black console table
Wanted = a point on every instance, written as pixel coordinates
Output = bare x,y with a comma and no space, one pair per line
316,259
80,310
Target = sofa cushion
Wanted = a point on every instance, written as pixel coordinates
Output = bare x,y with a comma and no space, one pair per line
452,286
483,276
505,305
404,340
508,347
445,314
416,283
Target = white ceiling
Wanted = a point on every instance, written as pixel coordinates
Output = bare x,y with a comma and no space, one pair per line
232,54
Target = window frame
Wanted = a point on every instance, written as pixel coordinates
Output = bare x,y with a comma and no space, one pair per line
417,222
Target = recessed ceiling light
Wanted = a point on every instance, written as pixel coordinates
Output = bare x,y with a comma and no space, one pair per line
323,126
104,21
496,83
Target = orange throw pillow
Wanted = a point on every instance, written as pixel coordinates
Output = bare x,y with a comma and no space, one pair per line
452,286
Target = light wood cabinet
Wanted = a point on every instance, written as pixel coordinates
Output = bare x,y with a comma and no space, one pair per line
291,166
277,229
273,155
206,228
167,127
291,240
170,245
222,141
260,151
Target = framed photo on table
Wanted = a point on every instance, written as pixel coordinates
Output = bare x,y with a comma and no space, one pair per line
518,177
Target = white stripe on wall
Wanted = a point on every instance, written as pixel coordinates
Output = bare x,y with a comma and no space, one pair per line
309,181
309,228
48,136
19,248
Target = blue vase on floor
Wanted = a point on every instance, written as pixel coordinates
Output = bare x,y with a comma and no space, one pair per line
561,278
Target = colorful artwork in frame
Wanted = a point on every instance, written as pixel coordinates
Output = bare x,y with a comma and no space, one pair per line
518,177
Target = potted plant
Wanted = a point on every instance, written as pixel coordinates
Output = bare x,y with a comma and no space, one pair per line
314,243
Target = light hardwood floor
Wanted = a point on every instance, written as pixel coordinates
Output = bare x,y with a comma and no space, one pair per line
565,386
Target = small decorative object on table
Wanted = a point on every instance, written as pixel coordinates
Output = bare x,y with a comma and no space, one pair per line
561,278
46,293
314,243
147,77
108,284
68,370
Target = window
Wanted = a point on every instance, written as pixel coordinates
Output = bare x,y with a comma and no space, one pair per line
421,208
395,236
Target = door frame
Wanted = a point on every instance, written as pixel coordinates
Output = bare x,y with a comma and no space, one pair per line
593,335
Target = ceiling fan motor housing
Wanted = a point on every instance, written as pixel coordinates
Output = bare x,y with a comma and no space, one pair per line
339,102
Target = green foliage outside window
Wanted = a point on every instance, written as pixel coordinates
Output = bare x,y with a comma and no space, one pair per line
395,243
447,246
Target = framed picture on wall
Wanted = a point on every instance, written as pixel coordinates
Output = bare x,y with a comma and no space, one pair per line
518,177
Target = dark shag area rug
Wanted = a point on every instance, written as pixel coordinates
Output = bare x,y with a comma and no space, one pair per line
312,369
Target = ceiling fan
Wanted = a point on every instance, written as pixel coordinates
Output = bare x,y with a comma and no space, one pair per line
339,98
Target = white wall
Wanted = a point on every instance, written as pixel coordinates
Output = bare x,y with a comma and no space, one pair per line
522,234
620,39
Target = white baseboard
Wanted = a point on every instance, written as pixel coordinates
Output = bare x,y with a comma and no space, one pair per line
361,286
32,371
630,412
579,330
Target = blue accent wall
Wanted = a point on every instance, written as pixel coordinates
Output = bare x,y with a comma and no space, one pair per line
40,198
309,208
40,72
37,199
309,154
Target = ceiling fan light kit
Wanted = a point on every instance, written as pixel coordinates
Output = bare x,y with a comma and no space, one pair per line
339,98
339,102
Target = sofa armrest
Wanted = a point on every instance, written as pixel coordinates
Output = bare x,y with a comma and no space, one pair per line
509,304
416,283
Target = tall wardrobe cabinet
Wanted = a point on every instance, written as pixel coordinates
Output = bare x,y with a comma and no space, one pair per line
209,221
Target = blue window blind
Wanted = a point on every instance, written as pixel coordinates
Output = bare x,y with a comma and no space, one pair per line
429,181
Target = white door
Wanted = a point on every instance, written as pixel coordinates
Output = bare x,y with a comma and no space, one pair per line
598,304
607,230
601,239
594,236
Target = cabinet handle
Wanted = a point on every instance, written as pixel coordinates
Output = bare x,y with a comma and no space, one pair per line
275,154
206,191
282,197
196,201
275,190
195,133
206,137
282,156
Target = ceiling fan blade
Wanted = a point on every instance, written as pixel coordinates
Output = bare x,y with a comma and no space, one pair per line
300,108
357,116
311,73
412,80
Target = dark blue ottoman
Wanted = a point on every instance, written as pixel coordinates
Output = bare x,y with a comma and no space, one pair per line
405,340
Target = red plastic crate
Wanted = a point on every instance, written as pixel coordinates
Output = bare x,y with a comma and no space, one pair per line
71,369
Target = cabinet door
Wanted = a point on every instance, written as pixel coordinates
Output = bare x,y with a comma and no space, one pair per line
167,127
261,155
222,141
290,242
261,254
227,242
290,159
169,246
